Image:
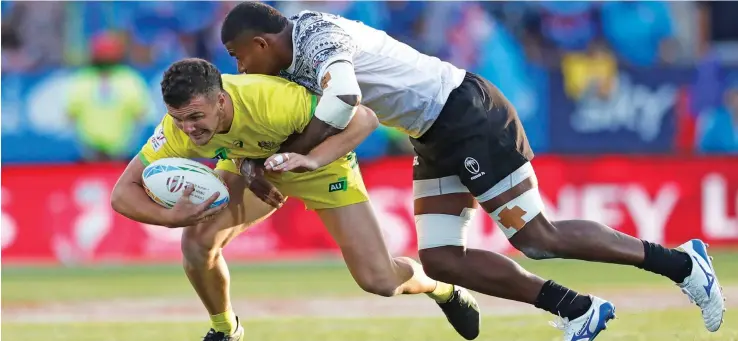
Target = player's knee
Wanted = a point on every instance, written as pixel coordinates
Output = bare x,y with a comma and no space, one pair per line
198,248
442,263
538,240
441,240
381,285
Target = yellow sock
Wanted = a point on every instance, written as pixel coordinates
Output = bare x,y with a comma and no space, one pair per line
224,322
442,293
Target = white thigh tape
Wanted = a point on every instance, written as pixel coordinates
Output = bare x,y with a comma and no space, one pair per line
436,230
525,171
440,186
511,217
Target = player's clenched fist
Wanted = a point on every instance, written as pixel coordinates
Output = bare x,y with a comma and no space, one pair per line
186,213
258,184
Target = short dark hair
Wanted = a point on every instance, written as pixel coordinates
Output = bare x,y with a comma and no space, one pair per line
251,16
189,78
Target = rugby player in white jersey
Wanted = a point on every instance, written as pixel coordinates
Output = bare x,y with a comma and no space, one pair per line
471,150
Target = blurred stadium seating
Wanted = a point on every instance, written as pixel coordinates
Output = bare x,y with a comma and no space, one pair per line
621,102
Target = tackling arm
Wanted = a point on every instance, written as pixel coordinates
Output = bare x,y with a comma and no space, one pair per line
334,147
338,105
363,123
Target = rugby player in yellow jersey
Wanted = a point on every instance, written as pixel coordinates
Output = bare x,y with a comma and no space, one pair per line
249,116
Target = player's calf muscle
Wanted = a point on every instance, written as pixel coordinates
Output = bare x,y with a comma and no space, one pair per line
437,215
443,263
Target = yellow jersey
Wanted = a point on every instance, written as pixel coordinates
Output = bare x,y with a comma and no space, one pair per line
266,111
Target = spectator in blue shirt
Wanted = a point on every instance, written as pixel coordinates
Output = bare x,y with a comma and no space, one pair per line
717,129
570,25
639,31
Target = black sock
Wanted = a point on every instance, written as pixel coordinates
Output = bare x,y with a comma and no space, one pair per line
561,301
670,263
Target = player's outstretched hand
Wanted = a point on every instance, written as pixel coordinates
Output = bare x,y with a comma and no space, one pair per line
186,213
290,162
259,185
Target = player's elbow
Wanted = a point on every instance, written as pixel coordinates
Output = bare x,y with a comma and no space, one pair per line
119,197
116,199
368,118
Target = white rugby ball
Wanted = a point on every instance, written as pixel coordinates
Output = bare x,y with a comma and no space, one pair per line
165,180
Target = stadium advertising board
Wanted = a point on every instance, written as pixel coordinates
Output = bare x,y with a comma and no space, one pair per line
66,218
640,112
635,111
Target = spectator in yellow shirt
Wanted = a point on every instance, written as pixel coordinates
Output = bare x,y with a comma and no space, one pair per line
107,100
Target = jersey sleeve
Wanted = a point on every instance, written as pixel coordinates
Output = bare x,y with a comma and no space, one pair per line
228,165
322,42
294,105
164,142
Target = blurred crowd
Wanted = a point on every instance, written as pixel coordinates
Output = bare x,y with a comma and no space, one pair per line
109,43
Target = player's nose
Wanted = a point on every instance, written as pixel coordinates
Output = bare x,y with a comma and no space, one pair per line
188,127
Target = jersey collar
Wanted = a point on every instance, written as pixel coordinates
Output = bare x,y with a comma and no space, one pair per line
291,69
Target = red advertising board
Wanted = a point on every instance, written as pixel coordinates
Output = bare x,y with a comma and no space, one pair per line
62,213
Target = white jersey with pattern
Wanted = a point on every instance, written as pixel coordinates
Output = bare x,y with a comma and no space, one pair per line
405,88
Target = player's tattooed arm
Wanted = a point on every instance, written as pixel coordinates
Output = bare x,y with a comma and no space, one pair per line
334,147
314,133
336,108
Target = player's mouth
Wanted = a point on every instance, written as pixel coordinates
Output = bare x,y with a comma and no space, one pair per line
197,134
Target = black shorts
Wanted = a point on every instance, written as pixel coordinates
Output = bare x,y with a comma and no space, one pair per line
477,137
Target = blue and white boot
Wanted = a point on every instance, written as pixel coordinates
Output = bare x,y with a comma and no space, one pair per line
702,286
589,325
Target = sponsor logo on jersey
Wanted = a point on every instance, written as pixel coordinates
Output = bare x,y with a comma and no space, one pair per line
340,185
268,145
158,139
221,153
472,166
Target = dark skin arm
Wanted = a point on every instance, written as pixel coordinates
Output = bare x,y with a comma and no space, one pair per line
301,143
315,132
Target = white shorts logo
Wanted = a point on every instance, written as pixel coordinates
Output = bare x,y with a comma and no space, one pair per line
472,166
415,161
158,139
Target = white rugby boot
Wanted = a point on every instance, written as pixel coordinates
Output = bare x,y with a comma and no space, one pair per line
589,325
702,286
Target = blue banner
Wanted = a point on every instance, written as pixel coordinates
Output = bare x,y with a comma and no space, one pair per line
36,126
633,113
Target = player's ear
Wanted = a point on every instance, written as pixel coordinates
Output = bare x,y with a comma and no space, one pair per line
261,42
221,100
